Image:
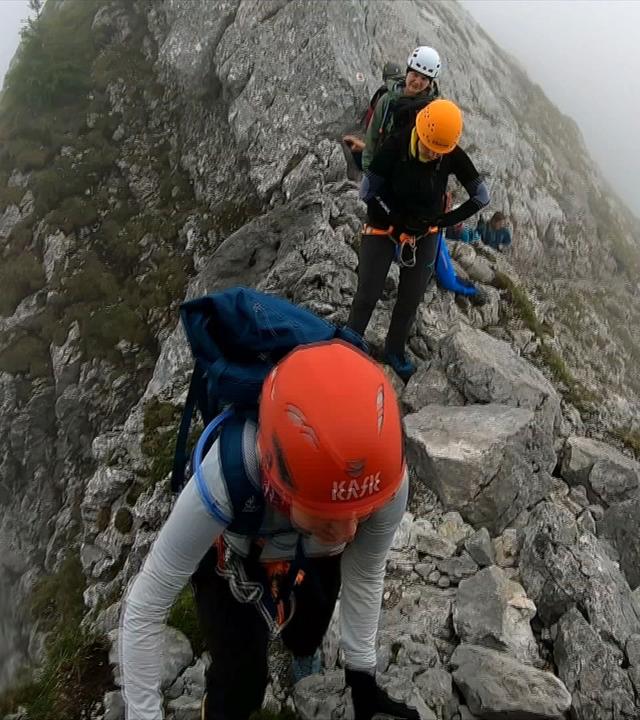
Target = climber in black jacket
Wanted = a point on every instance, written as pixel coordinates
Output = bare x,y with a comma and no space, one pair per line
404,190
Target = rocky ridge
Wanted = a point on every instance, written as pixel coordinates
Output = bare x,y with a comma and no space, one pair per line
521,551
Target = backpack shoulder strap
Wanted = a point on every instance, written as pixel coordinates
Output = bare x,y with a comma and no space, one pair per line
197,390
368,113
247,499
385,116
382,90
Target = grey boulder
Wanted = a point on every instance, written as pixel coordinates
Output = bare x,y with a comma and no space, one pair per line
498,687
488,462
480,548
560,568
590,667
607,474
621,526
429,386
323,696
487,370
495,612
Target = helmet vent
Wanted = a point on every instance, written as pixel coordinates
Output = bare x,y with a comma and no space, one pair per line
298,418
380,408
355,468
273,383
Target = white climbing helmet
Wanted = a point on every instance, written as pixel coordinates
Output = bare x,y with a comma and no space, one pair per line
426,61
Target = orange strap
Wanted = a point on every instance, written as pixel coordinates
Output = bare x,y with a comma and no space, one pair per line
370,230
404,237
275,568
219,546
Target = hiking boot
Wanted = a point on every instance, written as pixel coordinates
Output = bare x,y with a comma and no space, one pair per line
302,667
403,367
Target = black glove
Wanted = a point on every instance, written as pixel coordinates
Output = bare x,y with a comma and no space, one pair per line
369,699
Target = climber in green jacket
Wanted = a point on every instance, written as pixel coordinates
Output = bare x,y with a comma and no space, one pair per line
399,106
396,102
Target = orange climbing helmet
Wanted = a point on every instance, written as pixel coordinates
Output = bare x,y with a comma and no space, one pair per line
330,432
439,126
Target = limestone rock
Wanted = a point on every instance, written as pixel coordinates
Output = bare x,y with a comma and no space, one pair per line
435,685
457,568
185,707
483,461
608,474
429,542
495,612
586,523
590,668
560,568
429,386
424,613
633,650
621,525
486,370
454,528
323,696
480,548
402,538
506,548
495,685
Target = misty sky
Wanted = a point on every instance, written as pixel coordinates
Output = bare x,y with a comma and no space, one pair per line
11,14
583,53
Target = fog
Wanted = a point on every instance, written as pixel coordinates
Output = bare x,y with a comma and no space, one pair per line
585,56
12,12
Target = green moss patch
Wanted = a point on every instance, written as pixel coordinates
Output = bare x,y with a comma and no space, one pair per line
73,214
10,195
570,388
284,714
26,354
20,276
161,422
629,438
521,303
123,521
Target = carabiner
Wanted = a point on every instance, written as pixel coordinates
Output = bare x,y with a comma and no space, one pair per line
403,242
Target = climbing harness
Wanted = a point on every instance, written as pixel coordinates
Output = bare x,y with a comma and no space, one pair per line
406,244
267,585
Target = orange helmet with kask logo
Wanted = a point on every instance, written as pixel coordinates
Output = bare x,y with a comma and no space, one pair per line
330,432
439,126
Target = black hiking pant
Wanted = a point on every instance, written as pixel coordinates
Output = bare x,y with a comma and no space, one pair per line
238,638
376,255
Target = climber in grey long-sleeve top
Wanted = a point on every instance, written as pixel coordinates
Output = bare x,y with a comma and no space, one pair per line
327,451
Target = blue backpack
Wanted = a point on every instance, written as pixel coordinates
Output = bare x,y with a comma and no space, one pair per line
236,337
